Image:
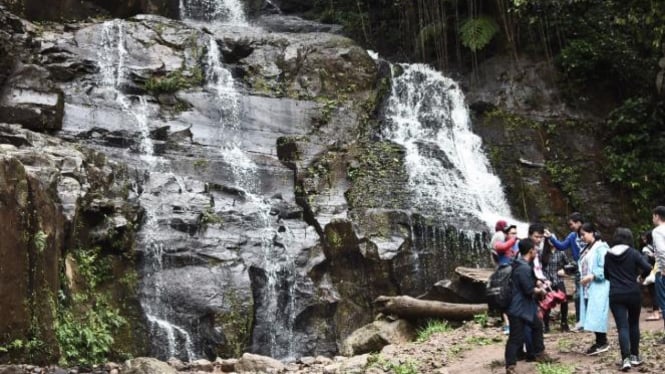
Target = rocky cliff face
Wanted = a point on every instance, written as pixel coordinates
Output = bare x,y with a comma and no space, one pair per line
548,154
241,173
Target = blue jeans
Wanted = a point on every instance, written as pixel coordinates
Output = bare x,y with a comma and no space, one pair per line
626,310
660,289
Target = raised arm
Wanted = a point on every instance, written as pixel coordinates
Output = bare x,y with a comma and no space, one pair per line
565,244
504,247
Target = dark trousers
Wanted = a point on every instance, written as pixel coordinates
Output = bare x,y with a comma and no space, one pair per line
517,337
626,310
576,297
660,290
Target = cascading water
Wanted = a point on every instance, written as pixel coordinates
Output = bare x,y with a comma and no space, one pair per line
227,11
276,307
112,58
447,168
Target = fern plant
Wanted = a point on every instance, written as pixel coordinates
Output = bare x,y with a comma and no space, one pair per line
476,33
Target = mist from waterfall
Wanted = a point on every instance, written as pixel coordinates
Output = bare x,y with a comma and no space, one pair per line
448,170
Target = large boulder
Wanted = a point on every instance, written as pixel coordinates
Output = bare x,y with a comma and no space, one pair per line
251,363
374,336
147,365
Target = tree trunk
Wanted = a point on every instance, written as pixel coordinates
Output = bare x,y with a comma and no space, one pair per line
408,307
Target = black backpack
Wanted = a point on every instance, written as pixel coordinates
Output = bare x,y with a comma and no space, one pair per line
499,292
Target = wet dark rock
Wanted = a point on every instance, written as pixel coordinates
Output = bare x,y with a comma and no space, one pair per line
31,99
284,23
55,10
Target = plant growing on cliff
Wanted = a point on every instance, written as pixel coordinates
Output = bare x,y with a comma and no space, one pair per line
39,241
86,322
86,338
477,33
174,81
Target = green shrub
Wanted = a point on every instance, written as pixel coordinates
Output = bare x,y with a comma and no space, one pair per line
432,327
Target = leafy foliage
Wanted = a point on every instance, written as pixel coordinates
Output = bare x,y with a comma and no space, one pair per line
476,33
40,241
174,81
87,339
86,321
635,145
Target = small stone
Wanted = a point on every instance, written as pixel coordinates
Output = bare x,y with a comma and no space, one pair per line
307,360
175,363
111,365
323,360
201,365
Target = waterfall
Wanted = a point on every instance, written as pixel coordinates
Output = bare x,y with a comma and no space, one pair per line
276,308
448,171
159,313
111,61
112,58
226,11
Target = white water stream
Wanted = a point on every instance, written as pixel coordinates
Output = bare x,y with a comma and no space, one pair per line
226,11
112,66
448,170
276,308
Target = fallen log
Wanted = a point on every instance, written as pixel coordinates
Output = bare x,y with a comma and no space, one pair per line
409,307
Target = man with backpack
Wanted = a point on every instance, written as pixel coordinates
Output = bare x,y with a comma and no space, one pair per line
523,310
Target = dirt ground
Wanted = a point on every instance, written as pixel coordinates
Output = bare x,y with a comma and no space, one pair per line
569,348
474,349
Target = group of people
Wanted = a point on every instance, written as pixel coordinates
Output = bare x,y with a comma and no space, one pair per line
607,278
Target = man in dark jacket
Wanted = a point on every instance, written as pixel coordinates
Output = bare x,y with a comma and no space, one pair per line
523,310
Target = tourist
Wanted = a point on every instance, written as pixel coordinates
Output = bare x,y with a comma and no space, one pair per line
523,309
594,288
553,265
506,251
646,240
575,243
498,237
658,234
536,234
622,264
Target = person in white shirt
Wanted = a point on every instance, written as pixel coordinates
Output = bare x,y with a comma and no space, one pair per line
658,234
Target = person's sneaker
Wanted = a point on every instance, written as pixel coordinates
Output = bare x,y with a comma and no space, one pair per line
626,364
635,360
506,330
578,327
596,349
511,369
564,327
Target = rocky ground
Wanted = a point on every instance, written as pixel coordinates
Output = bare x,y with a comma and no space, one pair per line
469,348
